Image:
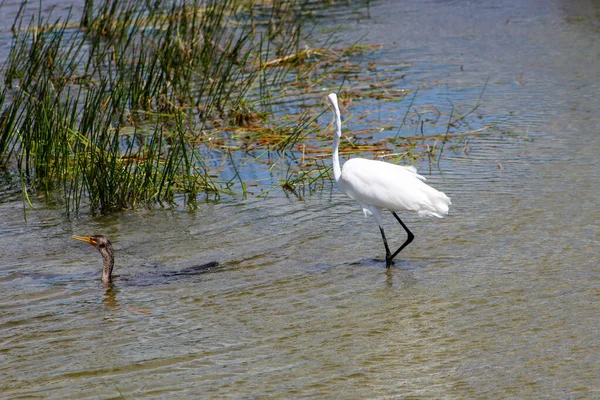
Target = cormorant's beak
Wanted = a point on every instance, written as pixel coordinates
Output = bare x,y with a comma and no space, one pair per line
87,239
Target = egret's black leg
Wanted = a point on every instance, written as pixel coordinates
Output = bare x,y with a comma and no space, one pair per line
408,239
388,254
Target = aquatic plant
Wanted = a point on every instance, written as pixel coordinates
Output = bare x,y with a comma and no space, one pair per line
111,109
157,102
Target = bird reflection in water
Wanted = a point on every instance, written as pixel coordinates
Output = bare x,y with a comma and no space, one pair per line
110,297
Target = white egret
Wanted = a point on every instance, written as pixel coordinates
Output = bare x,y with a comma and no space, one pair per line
378,185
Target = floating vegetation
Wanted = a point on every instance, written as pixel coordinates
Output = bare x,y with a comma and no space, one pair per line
160,102
308,165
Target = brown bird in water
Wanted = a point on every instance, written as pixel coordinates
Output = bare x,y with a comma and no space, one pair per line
104,246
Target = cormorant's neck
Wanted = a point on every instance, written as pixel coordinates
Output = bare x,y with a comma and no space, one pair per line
109,263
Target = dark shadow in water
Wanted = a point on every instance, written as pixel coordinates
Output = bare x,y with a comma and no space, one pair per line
380,264
165,277
370,262
195,270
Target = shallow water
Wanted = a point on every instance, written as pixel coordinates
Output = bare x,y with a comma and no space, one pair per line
498,300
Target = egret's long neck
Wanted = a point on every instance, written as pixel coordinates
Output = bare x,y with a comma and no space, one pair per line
109,262
337,170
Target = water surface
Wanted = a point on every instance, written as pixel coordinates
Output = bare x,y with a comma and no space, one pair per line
497,300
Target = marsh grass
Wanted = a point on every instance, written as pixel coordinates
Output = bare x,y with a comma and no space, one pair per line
110,110
145,103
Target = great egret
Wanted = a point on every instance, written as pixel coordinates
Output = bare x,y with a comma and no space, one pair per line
378,185
102,243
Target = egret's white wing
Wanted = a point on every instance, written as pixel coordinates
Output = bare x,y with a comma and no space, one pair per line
391,186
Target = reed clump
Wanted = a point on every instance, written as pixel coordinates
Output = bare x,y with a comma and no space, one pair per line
111,110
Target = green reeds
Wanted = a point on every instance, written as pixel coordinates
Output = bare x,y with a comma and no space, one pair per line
112,111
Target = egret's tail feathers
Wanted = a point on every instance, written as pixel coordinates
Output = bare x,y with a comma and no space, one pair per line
439,207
